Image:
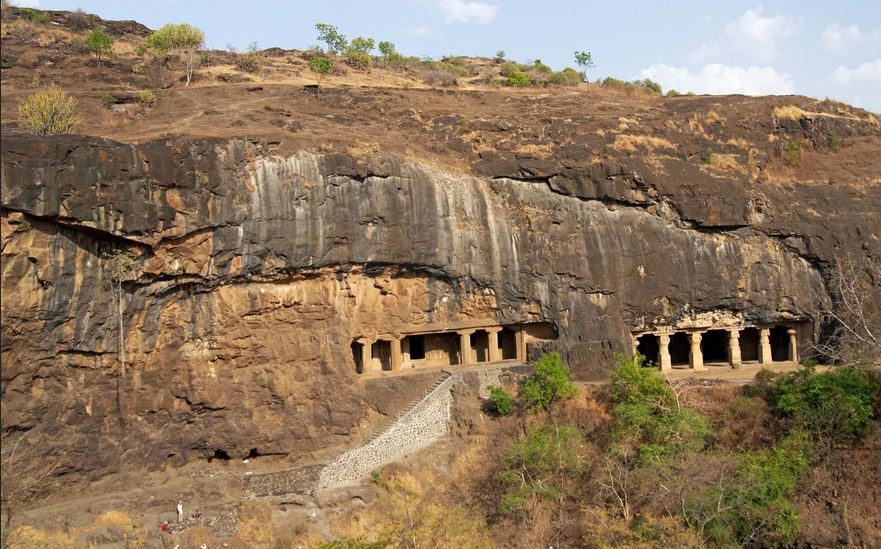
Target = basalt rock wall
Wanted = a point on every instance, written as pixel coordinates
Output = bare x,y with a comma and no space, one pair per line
243,278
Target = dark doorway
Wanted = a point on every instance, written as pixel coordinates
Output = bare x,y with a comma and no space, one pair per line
383,351
714,346
417,347
749,344
647,345
508,344
480,344
779,344
680,349
358,356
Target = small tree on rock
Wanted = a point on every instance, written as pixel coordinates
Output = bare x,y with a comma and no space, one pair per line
100,43
336,42
584,60
549,383
184,39
321,67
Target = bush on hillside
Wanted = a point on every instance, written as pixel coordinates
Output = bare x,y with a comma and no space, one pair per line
548,384
518,79
48,112
500,401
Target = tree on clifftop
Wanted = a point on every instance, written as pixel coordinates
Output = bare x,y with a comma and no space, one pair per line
100,43
320,66
584,60
336,42
184,39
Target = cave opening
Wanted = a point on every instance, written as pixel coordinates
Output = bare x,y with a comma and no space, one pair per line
779,339
508,344
382,351
480,345
416,345
714,346
647,345
220,455
358,356
253,453
680,348
749,345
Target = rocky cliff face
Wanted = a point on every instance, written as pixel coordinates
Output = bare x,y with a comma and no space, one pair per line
244,275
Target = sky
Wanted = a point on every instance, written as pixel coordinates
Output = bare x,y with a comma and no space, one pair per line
819,48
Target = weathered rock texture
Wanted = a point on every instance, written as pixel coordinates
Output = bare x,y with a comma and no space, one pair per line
253,273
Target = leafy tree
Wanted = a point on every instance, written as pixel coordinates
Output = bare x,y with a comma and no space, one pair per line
336,42
500,56
361,45
48,112
387,49
100,43
321,67
518,79
548,384
501,402
182,38
584,60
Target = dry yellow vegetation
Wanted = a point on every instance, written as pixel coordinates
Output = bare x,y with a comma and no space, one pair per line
629,143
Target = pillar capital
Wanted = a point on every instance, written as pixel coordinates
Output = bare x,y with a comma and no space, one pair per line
664,338
696,355
493,329
466,332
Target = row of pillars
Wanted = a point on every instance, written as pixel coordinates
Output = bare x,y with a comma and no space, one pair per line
696,356
467,354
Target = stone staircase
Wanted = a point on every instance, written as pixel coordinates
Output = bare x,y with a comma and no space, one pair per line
384,425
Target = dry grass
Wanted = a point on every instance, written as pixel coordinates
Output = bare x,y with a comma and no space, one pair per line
726,162
791,112
738,142
629,143
712,117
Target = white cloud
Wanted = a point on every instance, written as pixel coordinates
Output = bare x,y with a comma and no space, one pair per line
841,38
869,71
716,78
752,34
25,3
419,31
757,35
459,11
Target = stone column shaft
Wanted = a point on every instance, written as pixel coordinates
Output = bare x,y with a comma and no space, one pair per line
793,345
397,356
696,356
467,356
664,359
520,338
734,348
495,354
765,346
367,355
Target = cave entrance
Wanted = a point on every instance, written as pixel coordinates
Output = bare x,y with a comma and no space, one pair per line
749,345
508,344
382,351
358,356
480,345
647,345
680,349
714,346
779,339
415,345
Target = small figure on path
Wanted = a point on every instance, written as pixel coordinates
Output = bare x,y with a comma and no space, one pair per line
165,526
180,511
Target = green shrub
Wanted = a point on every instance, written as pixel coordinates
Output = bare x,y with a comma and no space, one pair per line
501,402
790,151
832,141
500,56
353,543
545,464
320,66
508,68
108,99
548,384
707,157
48,112
99,42
146,97
36,16
541,67
358,59
648,422
833,406
566,77
755,507
518,79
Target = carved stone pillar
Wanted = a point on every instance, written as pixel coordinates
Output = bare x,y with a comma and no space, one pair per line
465,352
495,354
734,347
696,356
793,345
520,338
359,355
367,356
397,356
634,344
664,353
765,346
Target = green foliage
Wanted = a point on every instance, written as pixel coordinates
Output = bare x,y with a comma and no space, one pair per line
584,59
548,384
387,49
518,79
832,141
320,66
649,85
545,464
541,67
790,151
754,507
566,77
648,421
173,37
501,402
146,97
358,60
99,42
500,56
250,60
646,86
361,45
108,99
117,263
508,68
673,93
150,184
36,16
833,406
48,112
329,34
353,543
707,157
